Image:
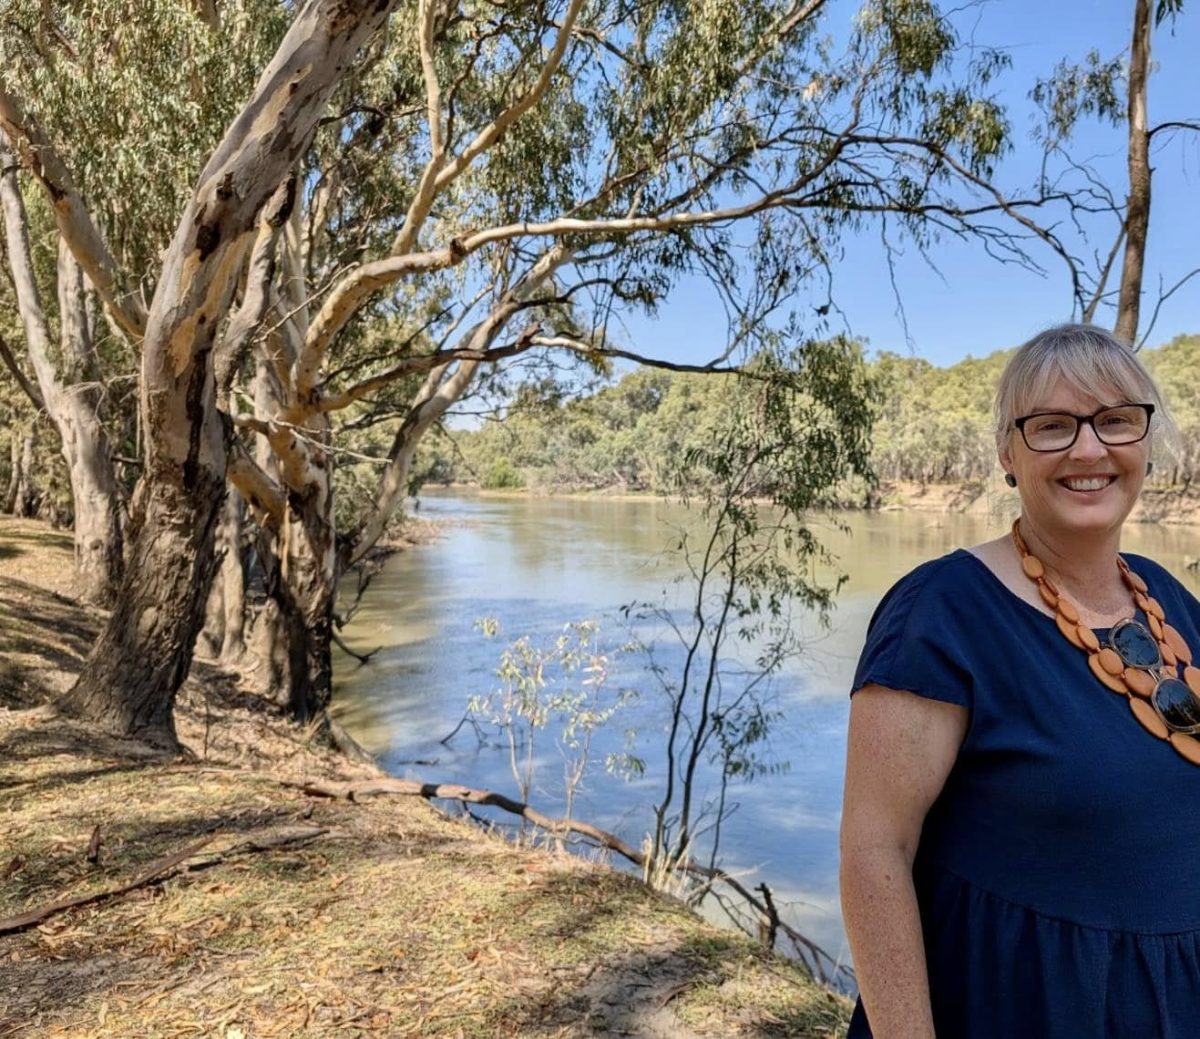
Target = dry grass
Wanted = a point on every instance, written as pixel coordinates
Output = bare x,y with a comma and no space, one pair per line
387,918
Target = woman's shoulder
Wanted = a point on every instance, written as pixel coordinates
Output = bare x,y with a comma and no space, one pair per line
946,571
917,638
933,581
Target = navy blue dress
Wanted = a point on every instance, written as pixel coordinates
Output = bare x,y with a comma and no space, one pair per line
1058,873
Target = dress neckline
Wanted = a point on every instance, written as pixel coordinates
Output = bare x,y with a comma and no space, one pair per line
1101,632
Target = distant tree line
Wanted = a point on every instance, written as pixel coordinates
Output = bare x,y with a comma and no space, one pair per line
930,425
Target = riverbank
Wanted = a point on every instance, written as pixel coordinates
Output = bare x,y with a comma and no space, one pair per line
225,901
971,498
992,498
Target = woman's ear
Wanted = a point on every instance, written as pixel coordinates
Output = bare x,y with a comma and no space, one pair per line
1005,457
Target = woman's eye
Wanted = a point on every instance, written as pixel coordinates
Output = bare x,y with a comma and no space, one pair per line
1049,425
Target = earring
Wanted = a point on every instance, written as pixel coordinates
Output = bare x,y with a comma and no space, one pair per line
1010,479
1149,468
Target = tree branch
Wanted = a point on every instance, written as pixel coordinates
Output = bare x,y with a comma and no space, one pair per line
256,299
490,133
252,482
39,157
31,391
1179,124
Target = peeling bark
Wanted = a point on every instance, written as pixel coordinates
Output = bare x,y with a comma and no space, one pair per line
130,680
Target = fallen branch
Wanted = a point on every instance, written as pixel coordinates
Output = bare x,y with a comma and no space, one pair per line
155,872
465,720
559,827
24,921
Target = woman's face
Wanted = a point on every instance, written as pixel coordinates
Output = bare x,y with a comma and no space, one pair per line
1087,488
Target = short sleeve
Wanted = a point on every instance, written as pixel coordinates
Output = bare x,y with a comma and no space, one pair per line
917,640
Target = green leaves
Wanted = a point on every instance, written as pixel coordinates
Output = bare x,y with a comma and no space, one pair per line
1167,9
560,681
135,95
1096,87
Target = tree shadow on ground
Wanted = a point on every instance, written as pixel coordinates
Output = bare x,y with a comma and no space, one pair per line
44,638
107,948
24,743
659,981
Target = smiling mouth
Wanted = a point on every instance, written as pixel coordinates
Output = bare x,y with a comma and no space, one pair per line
1086,484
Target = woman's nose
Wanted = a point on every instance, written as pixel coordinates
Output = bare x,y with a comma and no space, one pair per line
1087,444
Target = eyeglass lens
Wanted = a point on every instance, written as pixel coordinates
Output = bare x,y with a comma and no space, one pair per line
1126,424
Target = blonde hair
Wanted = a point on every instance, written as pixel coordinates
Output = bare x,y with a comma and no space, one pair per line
1089,359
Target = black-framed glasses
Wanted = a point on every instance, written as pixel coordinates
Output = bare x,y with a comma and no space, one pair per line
1058,430
1173,700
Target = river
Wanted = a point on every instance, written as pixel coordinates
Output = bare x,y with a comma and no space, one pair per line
533,564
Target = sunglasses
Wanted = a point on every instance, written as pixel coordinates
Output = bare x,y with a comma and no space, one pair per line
1172,699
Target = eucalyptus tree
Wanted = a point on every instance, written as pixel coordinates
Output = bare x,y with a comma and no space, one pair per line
145,651
564,181
69,398
136,93
1114,89
494,182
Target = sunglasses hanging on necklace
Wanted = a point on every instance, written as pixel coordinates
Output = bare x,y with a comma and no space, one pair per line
1136,661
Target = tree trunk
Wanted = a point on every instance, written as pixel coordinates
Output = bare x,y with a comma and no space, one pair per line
306,618
307,584
224,621
22,499
99,553
14,471
1137,206
129,682
294,635
212,631
70,399
99,550
233,580
131,677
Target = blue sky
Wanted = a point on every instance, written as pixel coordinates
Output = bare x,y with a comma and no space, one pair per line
972,304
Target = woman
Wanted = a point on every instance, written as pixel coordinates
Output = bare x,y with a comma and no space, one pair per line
1021,827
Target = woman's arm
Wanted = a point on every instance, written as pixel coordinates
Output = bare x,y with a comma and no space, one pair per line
901,748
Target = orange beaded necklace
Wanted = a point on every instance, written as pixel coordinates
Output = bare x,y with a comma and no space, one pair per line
1139,684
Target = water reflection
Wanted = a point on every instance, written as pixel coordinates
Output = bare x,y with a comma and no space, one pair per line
534,564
